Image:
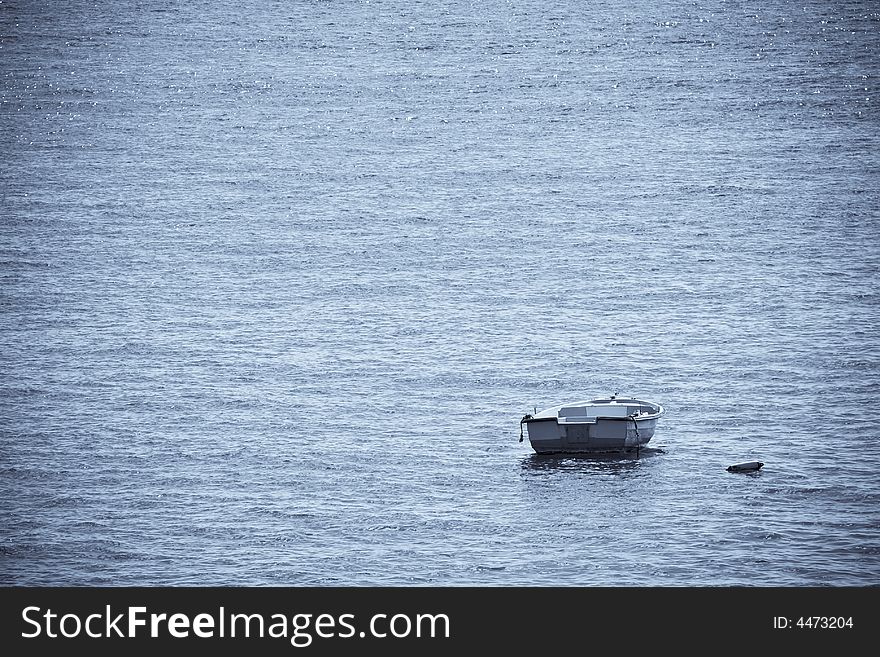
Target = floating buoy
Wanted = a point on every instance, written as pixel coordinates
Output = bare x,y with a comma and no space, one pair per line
748,466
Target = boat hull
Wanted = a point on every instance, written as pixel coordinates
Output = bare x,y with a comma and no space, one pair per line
605,435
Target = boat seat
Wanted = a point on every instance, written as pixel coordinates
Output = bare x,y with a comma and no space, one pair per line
583,412
611,410
571,411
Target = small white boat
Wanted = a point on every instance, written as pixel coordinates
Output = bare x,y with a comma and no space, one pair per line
614,424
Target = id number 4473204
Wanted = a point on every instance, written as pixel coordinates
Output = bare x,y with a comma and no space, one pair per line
813,622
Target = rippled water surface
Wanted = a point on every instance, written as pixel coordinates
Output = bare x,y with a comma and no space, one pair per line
277,284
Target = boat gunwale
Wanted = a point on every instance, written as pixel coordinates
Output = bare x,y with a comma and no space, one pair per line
552,413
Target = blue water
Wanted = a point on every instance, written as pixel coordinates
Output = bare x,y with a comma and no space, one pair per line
279,280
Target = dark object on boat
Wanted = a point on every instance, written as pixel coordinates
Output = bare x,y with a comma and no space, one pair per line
748,466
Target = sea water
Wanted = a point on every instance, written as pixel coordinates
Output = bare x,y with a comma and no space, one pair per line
278,281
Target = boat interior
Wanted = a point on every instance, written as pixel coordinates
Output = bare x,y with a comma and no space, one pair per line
607,408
